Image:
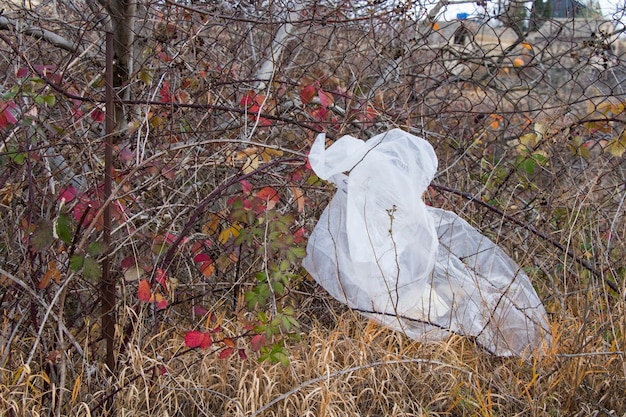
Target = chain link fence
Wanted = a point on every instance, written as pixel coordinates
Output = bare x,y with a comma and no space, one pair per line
216,106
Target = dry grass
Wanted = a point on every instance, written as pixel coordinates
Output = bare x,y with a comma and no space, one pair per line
343,367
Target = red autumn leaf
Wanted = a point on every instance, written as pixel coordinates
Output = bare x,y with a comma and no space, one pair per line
319,114
97,115
161,278
242,354
194,339
226,353
298,235
6,113
68,193
45,70
307,94
198,310
143,291
22,72
326,99
170,238
202,257
246,186
166,95
257,342
264,122
206,341
197,247
248,99
164,57
128,262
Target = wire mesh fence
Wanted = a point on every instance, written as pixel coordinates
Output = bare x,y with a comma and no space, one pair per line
217,104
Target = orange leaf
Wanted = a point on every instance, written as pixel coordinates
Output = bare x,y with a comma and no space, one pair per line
143,291
268,194
212,226
298,196
229,342
51,273
518,62
207,268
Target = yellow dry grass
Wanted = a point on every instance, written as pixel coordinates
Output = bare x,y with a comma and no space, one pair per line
345,366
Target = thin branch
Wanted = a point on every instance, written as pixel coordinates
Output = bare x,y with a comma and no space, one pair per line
38,33
200,208
476,200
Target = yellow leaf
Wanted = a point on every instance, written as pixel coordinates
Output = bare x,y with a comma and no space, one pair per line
616,146
527,46
251,164
529,140
225,234
212,225
268,153
518,62
76,389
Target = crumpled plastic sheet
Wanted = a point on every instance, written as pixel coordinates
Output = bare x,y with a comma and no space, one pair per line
421,270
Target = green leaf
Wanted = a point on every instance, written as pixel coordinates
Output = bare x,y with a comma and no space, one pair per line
63,228
50,100
278,288
76,262
91,269
18,157
145,75
97,249
529,165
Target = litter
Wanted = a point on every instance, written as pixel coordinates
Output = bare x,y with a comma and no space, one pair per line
381,250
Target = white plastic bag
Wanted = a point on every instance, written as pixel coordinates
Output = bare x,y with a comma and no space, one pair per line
378,248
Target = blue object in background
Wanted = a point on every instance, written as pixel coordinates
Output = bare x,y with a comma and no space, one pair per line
462,16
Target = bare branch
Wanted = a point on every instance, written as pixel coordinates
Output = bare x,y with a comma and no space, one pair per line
38,33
